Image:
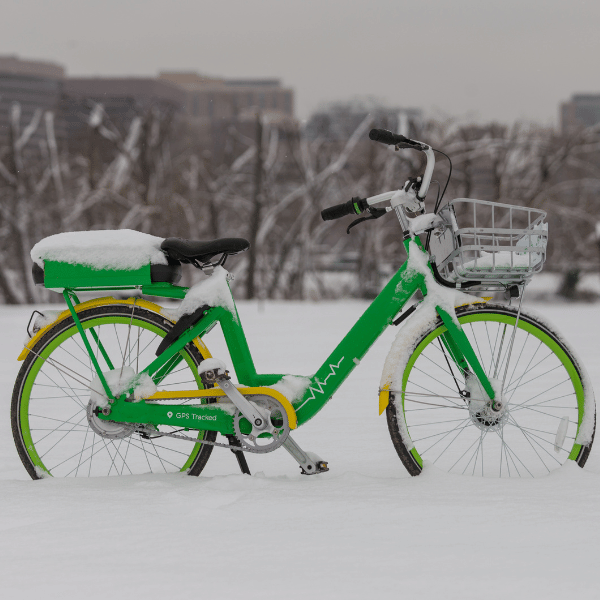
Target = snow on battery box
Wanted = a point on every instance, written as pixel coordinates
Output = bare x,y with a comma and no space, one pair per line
101,259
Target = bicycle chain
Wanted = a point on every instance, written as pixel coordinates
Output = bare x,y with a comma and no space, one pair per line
151,433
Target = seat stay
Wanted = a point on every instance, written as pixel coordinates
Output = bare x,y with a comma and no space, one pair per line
76,300
88,347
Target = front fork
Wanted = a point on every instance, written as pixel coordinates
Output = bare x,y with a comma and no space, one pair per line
462,353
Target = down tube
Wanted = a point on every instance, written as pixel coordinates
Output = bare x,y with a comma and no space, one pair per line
357,342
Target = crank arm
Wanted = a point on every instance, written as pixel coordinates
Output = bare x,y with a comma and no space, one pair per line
255,417
309,463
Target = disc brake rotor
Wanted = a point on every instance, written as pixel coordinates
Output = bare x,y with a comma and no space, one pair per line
487,416
278,426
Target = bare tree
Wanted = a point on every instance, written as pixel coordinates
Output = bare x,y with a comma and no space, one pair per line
269,184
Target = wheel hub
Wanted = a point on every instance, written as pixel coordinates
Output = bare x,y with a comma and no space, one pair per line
487,414
488,419
107,429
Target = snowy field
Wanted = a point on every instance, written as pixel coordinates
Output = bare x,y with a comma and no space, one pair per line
363,530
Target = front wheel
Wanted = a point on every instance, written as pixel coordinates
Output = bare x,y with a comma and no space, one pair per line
547,411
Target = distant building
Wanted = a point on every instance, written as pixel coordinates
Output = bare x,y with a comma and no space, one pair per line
206,107
215,107
121,98
32,85
211,99
583,110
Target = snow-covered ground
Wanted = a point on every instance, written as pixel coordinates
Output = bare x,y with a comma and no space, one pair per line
363,530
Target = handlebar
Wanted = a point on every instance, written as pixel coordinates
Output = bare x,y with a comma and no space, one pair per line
357,205
387,137
395,139
352,207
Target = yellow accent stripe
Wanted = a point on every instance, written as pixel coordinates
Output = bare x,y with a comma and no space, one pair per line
246,391
107,300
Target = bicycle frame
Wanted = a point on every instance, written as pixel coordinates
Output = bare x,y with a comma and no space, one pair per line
323,384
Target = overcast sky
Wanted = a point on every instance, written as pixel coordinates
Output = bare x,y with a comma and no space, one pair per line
487,59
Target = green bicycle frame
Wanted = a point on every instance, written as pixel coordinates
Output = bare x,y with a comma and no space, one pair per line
323,384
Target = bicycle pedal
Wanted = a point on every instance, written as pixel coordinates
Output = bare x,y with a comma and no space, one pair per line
321,467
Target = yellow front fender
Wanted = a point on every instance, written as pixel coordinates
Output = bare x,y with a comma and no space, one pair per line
384,399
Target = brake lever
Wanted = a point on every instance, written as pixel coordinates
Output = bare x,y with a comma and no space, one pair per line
375,214
414,182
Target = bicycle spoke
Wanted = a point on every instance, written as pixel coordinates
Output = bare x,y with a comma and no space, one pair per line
442,433
515,407
68,421
61,438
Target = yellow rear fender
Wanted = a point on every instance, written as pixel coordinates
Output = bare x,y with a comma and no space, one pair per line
151,306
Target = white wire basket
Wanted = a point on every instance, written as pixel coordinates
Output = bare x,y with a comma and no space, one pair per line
490,242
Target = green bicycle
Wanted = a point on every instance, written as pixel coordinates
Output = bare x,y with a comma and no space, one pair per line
123,386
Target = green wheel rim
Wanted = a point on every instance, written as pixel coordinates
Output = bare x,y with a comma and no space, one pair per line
55,343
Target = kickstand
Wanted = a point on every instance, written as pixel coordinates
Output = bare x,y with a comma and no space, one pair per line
233,441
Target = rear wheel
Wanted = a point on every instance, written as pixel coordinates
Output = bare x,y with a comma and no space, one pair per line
54,432
546,415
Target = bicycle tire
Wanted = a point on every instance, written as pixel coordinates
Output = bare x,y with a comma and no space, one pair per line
546,386
50,444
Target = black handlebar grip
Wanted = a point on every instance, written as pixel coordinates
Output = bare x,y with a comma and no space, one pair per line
338,211
387,137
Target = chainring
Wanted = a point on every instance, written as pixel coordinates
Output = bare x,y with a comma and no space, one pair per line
278,426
